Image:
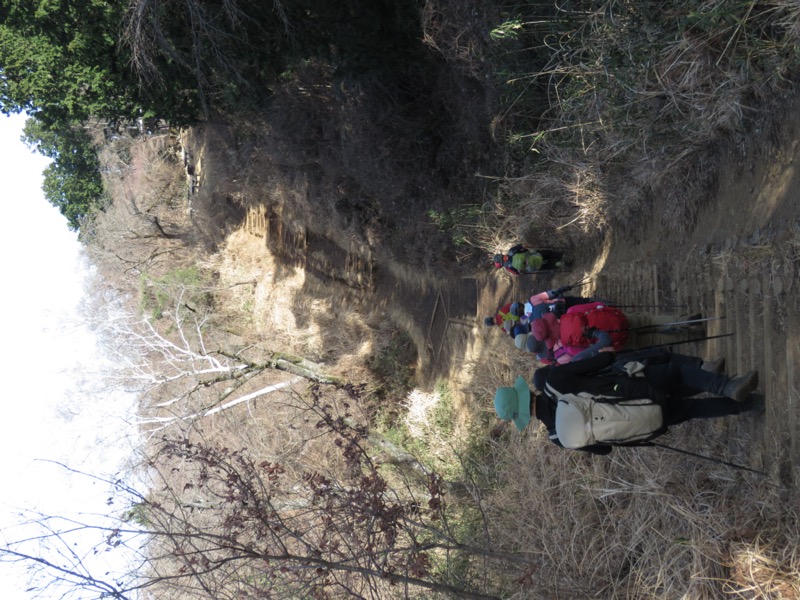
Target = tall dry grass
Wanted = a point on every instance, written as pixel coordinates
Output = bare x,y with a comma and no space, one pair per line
640,525
607,106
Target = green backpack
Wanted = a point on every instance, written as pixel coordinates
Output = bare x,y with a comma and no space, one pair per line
527,261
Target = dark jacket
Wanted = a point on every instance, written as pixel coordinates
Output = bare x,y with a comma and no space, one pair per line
597,376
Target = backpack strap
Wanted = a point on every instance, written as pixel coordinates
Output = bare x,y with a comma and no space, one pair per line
560,353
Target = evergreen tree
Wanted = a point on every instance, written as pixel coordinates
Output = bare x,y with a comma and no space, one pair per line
72,181
58,61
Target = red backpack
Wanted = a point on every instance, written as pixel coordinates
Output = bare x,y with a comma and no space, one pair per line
595,315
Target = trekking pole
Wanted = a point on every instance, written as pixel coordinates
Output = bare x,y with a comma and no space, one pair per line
660,325
668,344
648,306
708,458
580,283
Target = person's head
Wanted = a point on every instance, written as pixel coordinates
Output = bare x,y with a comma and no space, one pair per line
546,329
489,321
517,309
514,403
537,347
497,261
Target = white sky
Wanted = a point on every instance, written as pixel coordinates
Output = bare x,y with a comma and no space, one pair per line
43,417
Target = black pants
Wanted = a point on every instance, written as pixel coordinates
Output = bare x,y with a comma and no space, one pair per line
678,381
550,258
683,376
677,410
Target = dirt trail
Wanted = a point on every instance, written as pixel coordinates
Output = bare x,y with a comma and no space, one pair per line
739,262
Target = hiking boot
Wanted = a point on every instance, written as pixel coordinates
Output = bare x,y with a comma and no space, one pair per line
716,366
739,388
755,404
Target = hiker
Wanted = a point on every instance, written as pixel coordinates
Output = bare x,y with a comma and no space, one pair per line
520,260
524,340
508,318
586,329
607,400
553,304
553,301
557,354
578,330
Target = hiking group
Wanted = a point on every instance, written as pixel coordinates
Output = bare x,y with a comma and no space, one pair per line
608,377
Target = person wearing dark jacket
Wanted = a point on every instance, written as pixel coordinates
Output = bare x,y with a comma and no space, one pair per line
517,404
670,380
553,301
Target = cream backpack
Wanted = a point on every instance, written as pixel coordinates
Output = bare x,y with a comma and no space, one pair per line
583,420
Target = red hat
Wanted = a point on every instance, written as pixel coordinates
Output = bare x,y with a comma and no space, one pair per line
546,329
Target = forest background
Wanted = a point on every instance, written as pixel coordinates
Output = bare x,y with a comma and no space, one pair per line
251,181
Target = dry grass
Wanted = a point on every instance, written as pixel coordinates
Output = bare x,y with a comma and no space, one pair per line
639,526
419,408
793,245
632,97
752,258
765,569
143,166
453,29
